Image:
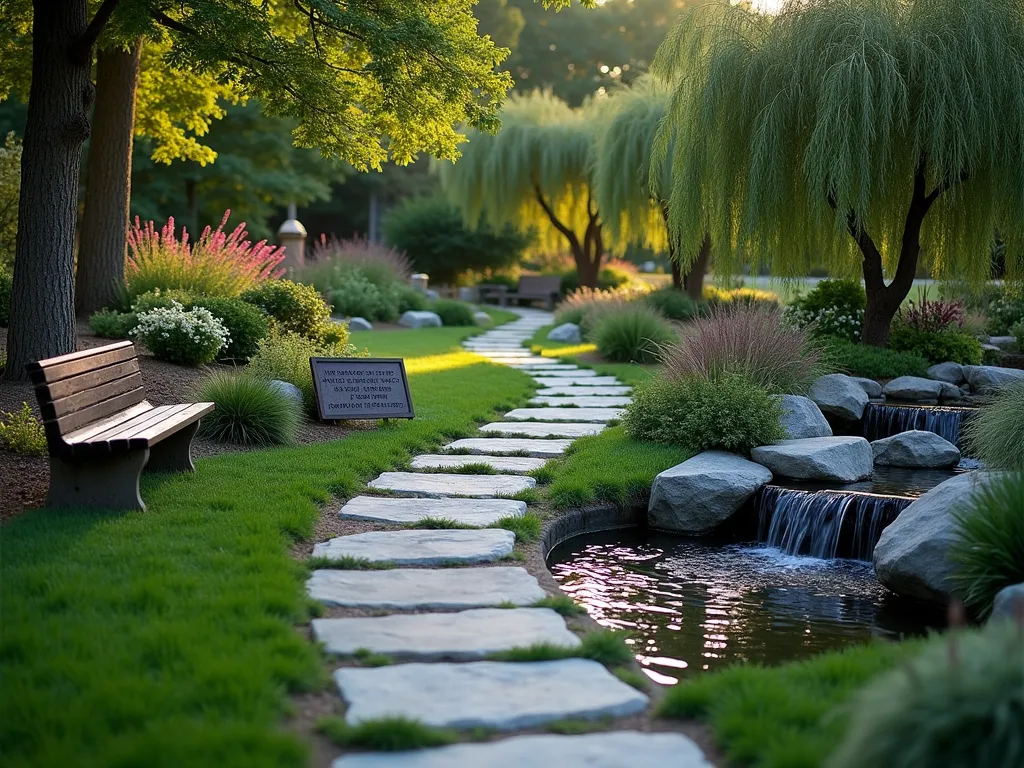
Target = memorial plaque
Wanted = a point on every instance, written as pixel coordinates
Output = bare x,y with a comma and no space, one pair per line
361,388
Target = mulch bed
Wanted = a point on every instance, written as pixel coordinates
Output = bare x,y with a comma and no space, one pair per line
26,478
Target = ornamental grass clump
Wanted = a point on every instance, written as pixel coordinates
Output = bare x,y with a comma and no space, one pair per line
633,333
185,337
250,410
995,434
746,340
217,264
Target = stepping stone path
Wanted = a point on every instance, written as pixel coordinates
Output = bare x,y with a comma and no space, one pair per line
461,613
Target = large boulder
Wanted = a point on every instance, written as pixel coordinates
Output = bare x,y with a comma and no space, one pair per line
913,388
566,332
360,324
414,319
839,396
802,418
482,318
952,373
870,386
701,493
915,448
986,379
839,459
287,389
912,555
1009,603
949,391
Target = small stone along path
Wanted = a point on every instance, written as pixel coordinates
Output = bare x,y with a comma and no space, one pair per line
460,608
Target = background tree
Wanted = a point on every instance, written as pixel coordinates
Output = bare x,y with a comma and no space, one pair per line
535,174
854,133
629,122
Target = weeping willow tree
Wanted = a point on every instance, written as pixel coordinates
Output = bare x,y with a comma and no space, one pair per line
860,133
622,177
535,174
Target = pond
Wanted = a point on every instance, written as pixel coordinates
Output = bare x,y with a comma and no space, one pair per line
693,605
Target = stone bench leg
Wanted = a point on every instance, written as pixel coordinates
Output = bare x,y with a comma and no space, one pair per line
174,453
98,483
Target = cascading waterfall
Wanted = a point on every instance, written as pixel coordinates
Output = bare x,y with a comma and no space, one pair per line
824,524
888,420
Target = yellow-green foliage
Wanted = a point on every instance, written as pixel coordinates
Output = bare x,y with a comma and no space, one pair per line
286,357
775,120
22,433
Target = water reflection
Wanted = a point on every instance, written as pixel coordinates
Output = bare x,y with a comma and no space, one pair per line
691,605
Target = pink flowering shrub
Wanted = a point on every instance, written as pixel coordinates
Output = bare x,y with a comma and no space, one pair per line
217,264
932,316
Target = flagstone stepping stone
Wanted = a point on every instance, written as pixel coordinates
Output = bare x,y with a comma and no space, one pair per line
541,429
441,484
496,446
514,465
564,414
582,401
617,749
425,588
521,362
427,547
481,512
509,353
579,373
487,694
470,634
579,379
576,389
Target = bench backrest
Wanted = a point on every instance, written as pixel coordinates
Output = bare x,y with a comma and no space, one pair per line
81,388
539,285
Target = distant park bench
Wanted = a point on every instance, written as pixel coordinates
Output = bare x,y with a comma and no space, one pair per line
101,432
546,288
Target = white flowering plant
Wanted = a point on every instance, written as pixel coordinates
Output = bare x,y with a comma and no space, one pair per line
828,321
185,337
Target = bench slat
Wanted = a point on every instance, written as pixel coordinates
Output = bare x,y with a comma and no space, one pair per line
158,431
95,398
98,412
89,379
85,433
57,368
153,416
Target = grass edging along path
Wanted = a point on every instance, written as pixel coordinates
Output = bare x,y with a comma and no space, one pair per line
586,355
168,638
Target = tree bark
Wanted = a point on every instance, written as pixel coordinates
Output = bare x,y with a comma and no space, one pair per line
693,282
587,254
42,309
103,242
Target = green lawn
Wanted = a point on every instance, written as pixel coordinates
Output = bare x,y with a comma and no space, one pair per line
168,638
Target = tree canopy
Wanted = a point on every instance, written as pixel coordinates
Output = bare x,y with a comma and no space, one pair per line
849,132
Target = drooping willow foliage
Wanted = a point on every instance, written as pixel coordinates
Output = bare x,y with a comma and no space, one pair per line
841,105
540,157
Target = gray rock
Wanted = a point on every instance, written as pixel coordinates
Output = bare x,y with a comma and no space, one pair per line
802,418
1009,603
841,459
912,555
470,634
965,389
839,396
1008,343
481,512
541,429
949,391
952,373
498,446
915,448
617,749
425,588
568,333
870,386
359,324
509,465
414,319
701,493
482,318
431,294
487,694
913,388
287,389
440,485
423,547
986,379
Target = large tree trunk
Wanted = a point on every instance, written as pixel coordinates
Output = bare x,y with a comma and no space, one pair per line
103,241
42,310
693,282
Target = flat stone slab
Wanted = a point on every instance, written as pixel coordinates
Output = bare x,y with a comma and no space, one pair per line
504,353
840,459
496,446
425,588
584,391
564,414
577,373
617,749
541,429
465,635
543,379
507,464
481,512
582,401
427,547
487,694
440,485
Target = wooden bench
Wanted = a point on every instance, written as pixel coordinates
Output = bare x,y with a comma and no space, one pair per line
546,288
101,432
